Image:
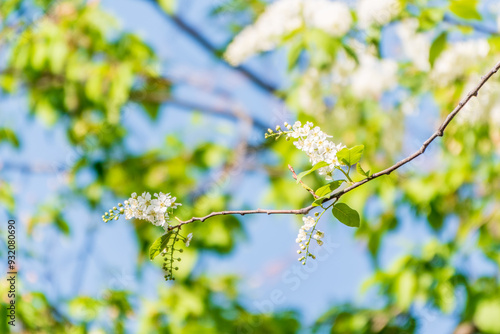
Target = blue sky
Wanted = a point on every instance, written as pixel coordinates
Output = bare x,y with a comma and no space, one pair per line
267,261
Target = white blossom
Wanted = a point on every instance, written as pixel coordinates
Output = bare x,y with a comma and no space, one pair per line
154,210
377,11
484,107
283,17
455,60
308,223
315,144
188,239
373,76
301,236
415,45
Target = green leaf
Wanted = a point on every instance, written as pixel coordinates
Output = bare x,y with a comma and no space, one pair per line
168,6
328,188
319,200
430,17
9,136
486,315
152,109
361,171
294,53
406,286
350,52
350,156
159,245
437,47
315,167
465,9
346,215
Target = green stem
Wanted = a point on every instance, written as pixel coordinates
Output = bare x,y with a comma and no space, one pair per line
346,174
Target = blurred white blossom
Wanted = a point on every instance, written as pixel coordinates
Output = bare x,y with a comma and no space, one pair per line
310,92
456,59
373,76
483,108
415,45
377,11
283,17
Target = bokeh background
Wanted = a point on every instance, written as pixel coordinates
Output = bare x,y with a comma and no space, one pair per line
100,99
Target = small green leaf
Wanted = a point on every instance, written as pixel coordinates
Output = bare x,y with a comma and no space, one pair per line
466,9
350,156
437,47
319,200
346,215
159,245
315,167
350,52
328,188
361,171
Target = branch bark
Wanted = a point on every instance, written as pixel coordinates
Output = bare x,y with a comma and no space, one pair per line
439,133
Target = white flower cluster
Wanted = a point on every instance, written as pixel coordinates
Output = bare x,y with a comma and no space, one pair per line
455,60
283,17
154,210
309,223
377,11
316,145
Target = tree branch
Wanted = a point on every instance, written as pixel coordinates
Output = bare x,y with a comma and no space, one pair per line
477,27
211,48
439,133
217,111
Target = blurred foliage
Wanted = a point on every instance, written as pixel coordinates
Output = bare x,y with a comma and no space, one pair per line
82,72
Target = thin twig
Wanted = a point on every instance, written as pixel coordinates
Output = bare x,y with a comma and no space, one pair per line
439,133
302,183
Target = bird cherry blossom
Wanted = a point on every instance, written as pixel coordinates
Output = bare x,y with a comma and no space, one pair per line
145,207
